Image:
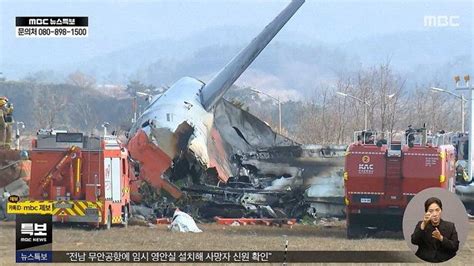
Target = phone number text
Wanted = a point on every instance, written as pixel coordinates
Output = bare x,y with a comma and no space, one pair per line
52,32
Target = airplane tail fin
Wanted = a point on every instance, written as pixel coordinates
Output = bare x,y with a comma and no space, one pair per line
213,91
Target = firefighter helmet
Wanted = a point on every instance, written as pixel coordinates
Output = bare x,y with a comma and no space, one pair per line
3,100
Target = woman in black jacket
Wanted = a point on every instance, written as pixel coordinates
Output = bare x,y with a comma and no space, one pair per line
436,238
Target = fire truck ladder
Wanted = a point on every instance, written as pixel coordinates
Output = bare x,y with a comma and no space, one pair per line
70,155
393,176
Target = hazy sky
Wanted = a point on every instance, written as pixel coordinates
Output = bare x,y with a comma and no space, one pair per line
117,24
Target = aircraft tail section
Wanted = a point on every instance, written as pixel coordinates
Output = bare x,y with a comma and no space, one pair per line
213,91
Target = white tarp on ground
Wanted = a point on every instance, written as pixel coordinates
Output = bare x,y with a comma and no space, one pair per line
183,222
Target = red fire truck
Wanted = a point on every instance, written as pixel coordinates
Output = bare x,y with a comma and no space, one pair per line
87,179
381,176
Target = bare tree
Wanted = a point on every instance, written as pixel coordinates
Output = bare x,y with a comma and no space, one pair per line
47,105
81,80
84,108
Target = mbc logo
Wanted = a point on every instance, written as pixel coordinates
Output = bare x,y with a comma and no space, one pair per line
441,21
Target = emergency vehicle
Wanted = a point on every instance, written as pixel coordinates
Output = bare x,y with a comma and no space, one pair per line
461,142
87,178
381,176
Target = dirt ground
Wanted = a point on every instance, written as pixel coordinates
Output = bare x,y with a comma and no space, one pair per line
215,237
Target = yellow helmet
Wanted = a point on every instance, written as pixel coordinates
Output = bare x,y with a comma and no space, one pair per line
3,101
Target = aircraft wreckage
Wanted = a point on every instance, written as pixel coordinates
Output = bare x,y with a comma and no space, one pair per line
207,154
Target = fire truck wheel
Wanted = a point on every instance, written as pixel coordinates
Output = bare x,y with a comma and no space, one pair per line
126,216
109,220
355,229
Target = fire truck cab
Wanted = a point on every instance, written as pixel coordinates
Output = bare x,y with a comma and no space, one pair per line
382,175
87,178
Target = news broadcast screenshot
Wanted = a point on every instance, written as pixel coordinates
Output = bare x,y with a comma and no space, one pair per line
279,132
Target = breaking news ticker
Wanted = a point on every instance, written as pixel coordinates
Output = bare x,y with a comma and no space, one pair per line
34,244
223,257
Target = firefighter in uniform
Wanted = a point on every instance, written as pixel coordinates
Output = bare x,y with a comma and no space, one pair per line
6,121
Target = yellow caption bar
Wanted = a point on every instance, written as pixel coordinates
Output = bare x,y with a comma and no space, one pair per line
30,207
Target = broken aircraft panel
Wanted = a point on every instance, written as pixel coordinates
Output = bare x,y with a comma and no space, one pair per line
268,173
189,139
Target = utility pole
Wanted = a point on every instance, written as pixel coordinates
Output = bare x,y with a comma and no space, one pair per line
463,100
366,105
277,99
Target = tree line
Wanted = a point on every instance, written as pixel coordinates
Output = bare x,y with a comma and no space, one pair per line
392,102
324,117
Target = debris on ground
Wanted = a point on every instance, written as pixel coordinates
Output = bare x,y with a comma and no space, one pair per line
138,220
255,221
327,222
